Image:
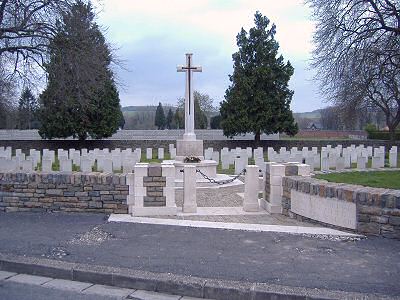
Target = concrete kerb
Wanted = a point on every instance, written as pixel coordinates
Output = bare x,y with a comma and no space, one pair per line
169,283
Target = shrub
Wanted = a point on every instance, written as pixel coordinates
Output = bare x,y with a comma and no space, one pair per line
382,135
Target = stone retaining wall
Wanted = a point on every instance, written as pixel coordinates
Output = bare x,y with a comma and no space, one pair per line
377,210
95,192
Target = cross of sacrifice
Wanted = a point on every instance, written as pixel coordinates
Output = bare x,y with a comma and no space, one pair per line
189,101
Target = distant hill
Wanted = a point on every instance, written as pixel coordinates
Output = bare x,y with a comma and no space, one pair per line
142,117
315,114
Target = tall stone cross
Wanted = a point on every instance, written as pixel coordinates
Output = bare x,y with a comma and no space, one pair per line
189,101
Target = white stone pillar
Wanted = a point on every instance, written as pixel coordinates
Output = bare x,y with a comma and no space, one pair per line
277,171
168,171
251,188
189,189
139,191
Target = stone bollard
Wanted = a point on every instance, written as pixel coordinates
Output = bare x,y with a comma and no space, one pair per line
251,188
189,189
273,193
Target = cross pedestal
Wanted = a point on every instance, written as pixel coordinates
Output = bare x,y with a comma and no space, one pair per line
189,145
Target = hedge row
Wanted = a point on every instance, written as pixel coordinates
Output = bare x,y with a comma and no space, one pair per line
382,135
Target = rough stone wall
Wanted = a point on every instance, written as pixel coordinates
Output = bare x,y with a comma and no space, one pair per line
378,210
154,183
95,192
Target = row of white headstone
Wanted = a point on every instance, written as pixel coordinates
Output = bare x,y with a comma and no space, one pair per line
161,153
338,157
102,160
329,157
238,157
124,160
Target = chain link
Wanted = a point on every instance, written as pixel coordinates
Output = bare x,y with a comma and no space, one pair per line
221,182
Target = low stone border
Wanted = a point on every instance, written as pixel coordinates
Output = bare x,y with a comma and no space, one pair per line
377,209
169,283
78,192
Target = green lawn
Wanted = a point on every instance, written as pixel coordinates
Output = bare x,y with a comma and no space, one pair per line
381,179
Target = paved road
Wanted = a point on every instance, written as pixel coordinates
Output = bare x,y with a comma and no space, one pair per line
370,265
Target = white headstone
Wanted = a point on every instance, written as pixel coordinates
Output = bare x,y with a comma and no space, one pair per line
160,153
66,165
339,163
116,162
107,165
27,165
86,165
149,153
361,162
215,156
173,153
324,164
46,165
393,158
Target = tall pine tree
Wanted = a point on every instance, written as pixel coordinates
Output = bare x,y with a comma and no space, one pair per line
81,98
258,99
170,119
160,121
27,110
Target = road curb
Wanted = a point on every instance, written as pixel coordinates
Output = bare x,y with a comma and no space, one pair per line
169,283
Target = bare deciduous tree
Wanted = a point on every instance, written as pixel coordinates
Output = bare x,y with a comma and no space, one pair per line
357,54
6,97
25,29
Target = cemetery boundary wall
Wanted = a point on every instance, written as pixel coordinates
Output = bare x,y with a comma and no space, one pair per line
376,210
25,145
39,192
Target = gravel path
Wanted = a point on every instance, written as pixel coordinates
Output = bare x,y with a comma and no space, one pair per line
221,197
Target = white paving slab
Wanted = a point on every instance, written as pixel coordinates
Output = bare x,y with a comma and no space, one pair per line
221,211
105,290
29,279
67,285
147,295
4,275
230,226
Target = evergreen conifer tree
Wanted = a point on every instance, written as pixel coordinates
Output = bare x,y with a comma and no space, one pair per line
81,98
170,119
258,99
27,110
160,121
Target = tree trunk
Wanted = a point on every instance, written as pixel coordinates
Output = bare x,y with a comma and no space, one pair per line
392,133
257,138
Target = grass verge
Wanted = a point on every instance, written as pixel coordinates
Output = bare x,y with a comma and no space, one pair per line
379,179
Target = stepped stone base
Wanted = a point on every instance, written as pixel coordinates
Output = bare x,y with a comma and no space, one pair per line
189,148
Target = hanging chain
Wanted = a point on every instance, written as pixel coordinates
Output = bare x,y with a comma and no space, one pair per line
221,182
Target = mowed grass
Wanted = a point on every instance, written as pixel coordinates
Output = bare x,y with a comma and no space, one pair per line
379,179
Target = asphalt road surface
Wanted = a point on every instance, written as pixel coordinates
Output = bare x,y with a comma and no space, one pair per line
369,265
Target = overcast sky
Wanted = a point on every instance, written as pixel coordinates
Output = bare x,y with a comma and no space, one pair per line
152,37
